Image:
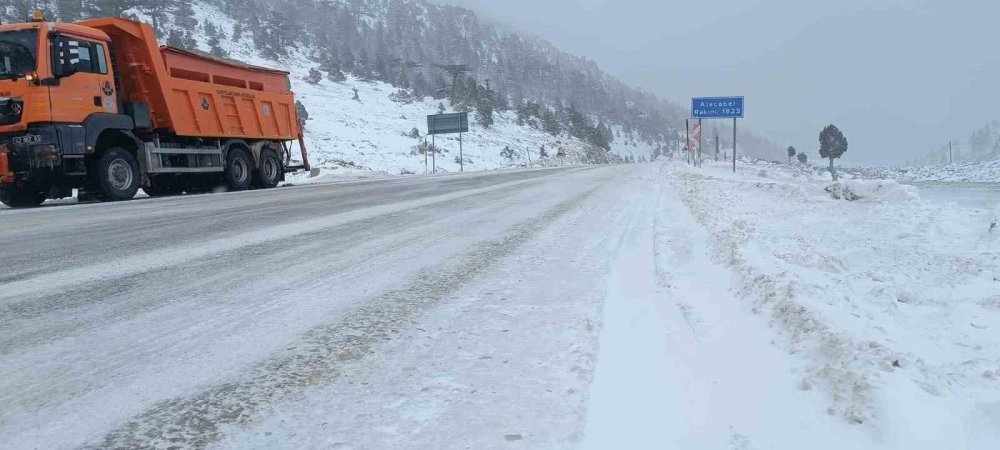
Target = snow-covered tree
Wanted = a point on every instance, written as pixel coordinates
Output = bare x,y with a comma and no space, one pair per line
832,145
791,153
314,77
803,158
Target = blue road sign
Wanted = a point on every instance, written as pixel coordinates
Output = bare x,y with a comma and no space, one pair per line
717,107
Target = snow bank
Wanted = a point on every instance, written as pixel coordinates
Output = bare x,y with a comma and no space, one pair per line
892,305
872,190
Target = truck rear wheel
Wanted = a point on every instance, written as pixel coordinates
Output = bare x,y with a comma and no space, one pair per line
269,173
239,172
22,196
117,175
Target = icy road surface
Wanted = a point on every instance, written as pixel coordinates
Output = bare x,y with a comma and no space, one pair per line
556,308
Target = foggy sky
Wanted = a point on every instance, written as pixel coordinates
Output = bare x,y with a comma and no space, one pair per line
899,78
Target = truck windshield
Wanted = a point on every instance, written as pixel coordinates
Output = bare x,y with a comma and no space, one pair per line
17,53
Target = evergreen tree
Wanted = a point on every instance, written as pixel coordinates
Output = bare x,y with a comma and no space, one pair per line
803,158
791,153
508,153
314,77
300,111
71,10
542,153
550,123
110,8
484,106
157,11
441,108
237,31
213,34
832,145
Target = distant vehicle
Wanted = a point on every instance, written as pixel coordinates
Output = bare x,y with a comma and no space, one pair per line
100,107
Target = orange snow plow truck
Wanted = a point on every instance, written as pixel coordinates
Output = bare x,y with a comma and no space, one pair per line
100,107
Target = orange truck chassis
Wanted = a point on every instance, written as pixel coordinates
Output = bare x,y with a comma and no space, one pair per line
100,107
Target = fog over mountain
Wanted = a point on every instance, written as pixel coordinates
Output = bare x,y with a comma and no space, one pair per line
898,77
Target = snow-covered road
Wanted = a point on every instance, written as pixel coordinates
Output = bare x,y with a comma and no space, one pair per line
599,307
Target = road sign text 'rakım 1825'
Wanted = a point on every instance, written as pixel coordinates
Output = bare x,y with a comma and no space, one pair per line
717,108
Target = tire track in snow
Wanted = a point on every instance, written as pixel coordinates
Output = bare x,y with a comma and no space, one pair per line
195,421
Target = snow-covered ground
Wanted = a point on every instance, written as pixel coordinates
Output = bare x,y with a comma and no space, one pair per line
888,302
633,306
978,172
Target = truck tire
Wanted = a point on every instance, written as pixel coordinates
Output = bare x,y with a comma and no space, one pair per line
268,174
22,196
239,170
117,175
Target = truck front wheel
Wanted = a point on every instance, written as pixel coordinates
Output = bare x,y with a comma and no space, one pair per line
269,173
239,170
26,196
117,175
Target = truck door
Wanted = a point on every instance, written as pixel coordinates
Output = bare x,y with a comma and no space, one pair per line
86,85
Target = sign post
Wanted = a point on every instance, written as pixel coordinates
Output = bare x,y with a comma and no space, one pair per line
449,124
719,108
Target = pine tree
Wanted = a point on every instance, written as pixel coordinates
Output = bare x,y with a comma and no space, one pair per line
213,34
300,111
237,31
441,108
832,145
71,10
157,11
791,153
109,8
542,153
550,123
508,153
484,106
803,158
314,77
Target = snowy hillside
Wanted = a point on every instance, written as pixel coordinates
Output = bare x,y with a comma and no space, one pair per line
372,135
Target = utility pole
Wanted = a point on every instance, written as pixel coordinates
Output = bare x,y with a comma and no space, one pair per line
716,145
687,140
734,145
699,142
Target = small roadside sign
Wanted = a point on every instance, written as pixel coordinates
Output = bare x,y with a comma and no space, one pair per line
448,123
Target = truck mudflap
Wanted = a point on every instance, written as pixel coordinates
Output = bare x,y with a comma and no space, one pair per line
305,158
6,174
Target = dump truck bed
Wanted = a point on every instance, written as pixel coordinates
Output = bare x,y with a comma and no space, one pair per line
194,94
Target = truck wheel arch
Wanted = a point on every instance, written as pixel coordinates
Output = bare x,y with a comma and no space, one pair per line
101,127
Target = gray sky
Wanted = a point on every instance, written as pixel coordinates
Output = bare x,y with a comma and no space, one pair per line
898,77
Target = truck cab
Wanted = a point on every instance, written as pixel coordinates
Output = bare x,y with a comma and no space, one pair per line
57,96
